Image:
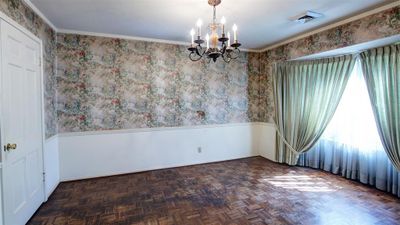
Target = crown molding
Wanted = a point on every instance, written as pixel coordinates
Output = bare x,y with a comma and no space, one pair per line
258,50
128,37
40,14
333,25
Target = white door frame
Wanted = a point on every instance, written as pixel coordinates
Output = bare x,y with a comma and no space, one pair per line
13,23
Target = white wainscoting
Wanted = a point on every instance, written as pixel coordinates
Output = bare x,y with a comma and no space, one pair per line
104,153
51,165
266,140
1,196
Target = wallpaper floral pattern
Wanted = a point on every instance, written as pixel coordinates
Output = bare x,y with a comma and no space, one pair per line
377,26
255,89
28,19
106,83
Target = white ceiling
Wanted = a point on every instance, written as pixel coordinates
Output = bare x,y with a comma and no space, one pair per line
261,22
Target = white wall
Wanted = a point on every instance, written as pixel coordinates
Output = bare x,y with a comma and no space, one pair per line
1,200
94,154
51,165
266,140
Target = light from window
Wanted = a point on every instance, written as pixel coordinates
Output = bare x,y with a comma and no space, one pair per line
302,183
353,123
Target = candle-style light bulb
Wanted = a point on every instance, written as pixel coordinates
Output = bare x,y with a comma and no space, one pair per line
207,40
192,32
234,28
214,40
223,21
199,23
229,39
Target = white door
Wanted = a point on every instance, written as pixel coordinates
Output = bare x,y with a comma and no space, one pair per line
21,125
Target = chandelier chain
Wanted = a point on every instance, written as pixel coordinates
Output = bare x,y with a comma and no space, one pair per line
215,15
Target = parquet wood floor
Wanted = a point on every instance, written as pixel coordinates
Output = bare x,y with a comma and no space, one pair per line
245,191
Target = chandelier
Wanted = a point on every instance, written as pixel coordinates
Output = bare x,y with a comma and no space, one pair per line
216,45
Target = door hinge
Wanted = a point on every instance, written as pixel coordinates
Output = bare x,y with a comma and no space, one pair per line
44,176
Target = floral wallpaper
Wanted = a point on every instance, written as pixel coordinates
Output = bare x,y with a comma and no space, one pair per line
27,18
254,88
377,26
106,83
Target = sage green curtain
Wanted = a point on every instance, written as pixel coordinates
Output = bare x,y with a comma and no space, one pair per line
381,68
306,95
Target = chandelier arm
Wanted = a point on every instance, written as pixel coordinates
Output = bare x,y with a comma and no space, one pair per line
197,51
226,58
194,59
223,48
236,52
200,50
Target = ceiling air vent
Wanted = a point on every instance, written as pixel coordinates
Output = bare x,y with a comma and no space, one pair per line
307,17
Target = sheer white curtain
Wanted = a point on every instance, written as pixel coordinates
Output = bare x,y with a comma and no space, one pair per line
350,146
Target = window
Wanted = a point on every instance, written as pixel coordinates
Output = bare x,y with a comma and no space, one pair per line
353,124
350,145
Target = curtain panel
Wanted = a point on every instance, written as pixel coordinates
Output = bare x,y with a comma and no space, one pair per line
306,95
351,146
371,168
381,69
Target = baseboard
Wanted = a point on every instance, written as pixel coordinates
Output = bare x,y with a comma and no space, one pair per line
51,190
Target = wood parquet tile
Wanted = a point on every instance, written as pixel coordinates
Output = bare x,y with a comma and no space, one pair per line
239,192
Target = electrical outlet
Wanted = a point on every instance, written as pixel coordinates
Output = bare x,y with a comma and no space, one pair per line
199,149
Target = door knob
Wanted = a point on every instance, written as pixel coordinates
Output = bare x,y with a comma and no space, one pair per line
9,147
